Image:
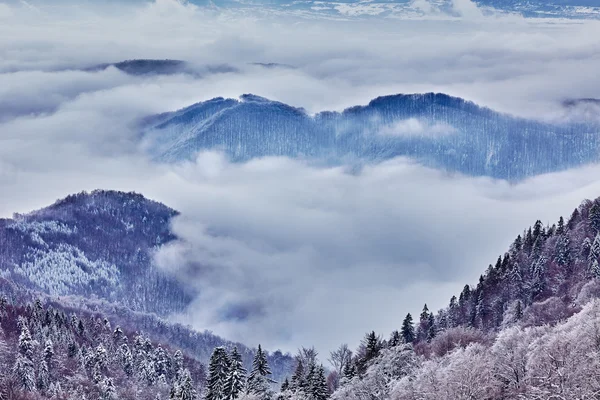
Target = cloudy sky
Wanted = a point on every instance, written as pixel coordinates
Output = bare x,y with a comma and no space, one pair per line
286,253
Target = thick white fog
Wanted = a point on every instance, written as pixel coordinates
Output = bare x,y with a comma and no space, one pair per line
284,253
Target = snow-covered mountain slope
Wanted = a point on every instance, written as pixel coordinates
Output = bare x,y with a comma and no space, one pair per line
94,244
436,129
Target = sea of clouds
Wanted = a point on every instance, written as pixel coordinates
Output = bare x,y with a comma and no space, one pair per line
285,253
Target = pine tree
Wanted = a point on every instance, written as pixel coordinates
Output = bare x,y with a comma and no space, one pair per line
183,388
431,332
285,386
574,219
217,375
373,346
395,339
595,270
259,382
349,371
48,351
518,311
594,253
563,252
594,217
108,390
26,343
408,330
25,373
298,382
317,383
236,377
560,228
43,377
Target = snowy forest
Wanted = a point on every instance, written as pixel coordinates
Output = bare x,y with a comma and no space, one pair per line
529,329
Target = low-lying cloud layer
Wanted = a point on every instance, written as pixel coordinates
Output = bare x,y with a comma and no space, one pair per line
285,253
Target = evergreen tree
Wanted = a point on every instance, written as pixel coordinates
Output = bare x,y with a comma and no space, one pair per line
349,371
183,388
259,381
43,377
217,375
317,383
563,252
574,219
423,328
26,343
431,332
108,390
285,386
560,228
25,373
236,377
408,330
298,383
594,217
595,270
518,311
594,253
372,345
395,339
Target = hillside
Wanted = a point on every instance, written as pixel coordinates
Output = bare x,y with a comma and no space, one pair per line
97,244
528,329
435,129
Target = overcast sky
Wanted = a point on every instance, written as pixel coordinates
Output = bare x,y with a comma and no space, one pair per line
284,253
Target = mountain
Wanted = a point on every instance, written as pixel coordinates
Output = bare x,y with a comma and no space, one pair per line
73,272
97,244
145,67
436,129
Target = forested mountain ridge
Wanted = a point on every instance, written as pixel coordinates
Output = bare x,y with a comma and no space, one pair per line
94,244
435,129
529,329
88,258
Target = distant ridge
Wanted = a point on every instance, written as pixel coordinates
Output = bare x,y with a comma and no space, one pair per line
436,129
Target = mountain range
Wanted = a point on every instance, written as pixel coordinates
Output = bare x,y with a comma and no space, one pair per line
435,129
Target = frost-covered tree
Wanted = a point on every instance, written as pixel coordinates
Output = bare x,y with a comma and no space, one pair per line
236,376
218,370
259,381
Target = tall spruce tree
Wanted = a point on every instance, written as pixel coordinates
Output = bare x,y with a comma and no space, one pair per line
408,329
218,370
259,381
236,377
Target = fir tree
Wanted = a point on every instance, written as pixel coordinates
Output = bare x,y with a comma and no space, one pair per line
298,383
518,311
594,217
236,377
217,375
285,386
560,228
431,332
26,343
259,381
349,370
317,383
595,270
408,330
183,388
395,339
25,373
373,346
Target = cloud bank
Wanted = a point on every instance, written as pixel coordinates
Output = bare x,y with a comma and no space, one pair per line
285,253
